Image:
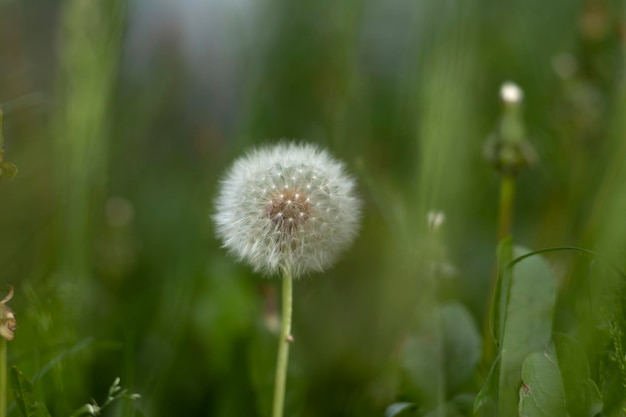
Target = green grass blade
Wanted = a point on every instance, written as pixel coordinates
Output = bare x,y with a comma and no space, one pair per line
485,400
25,399
498,314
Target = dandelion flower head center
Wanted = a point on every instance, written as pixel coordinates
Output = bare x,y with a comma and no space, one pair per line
289,209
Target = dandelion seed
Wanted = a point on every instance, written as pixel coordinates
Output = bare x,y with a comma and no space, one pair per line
282,220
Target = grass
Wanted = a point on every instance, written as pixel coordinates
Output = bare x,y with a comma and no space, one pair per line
121,127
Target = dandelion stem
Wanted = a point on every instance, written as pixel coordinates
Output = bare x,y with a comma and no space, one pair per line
505,216
283,346
507,198
3,377
1,137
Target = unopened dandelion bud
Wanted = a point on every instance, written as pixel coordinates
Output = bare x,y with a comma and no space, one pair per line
508,149
511,93
287,207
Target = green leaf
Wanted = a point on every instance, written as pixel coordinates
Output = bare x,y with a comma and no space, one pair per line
582,396
441,354
396,409
527,297
459,406
462,345
464,403
422,361
25,399
559,384
541,393
445,410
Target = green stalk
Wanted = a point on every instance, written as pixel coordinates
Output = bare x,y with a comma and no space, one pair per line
6,168
283,346
1,138
507,199
3,377
505,217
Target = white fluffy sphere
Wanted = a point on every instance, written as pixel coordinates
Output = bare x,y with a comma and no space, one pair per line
287,206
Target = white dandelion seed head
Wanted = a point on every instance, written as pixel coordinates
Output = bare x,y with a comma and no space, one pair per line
287,206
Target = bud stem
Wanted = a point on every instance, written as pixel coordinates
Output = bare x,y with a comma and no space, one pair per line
283,346
505,216
507,199
1,139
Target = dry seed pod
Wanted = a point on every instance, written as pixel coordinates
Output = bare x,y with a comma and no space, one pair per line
8,324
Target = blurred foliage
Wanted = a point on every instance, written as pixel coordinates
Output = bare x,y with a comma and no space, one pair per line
121,117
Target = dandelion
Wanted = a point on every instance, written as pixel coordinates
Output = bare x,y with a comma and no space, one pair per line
289,208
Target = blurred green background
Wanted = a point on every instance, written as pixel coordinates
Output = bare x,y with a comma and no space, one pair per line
122,115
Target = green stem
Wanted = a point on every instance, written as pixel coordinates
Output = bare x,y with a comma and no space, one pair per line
3,377
1,139
507,199
505,216
283,346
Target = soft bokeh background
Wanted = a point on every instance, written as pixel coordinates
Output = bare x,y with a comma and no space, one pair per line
122,115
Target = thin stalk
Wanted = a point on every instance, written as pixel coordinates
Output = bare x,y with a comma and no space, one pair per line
283,346
507,199
1,137
505,217
3,377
